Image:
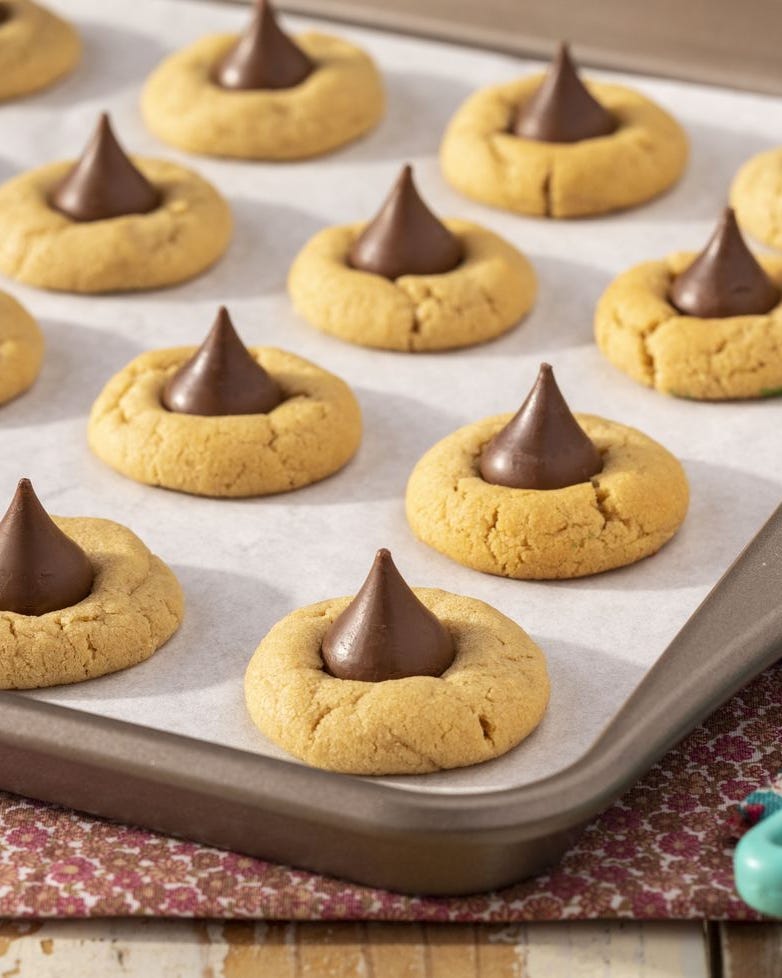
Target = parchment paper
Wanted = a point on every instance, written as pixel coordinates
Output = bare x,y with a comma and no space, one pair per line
246,564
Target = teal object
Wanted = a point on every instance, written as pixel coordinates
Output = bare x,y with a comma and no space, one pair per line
757,866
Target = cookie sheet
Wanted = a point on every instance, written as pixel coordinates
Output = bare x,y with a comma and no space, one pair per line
245,564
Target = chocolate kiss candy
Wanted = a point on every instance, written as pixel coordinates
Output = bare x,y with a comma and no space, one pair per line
263,57
725,279
221,378
542,446
103,183
385,632
405,238
562,110
41,569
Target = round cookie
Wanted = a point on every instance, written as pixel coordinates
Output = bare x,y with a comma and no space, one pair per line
493,695
624,513
135,606
338,102
310,435
484,296
756,195
480,157
21,348
642,333
182,237
36,48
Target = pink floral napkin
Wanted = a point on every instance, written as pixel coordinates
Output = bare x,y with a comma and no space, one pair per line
664,850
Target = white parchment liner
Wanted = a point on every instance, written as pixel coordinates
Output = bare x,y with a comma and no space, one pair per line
246,564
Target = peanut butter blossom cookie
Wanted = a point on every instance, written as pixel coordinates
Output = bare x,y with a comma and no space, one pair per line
108,223
79,597
222,420
396,681
264,95
546,494
554,146
37,48
756,195
21,348
408,281
705,326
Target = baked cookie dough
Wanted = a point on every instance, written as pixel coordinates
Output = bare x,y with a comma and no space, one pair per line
135,606
641,332
21,348
40,246
487,294
756,196
310,435
480,157
624,513
338,102
492,696
36,48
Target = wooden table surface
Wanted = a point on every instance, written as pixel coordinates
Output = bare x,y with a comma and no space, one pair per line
219,949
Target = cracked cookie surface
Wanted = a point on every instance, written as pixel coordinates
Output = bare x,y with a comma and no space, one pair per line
36,49
310,435
182,237
756,196
484,296
492,696
480,157
338,102
135,606
626,512
21,348
642,334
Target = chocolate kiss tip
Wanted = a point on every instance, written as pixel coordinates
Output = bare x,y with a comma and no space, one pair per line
41,569
103,183
386,632
542,446
221,378
405,237
562,110
725,279
264,57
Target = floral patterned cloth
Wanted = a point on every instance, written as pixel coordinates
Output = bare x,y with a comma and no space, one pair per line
663,850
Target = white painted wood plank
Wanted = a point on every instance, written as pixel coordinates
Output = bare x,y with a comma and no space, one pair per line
188,949
609,950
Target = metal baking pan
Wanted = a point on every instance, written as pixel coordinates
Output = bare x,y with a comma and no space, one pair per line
441,842
377,835
715,41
